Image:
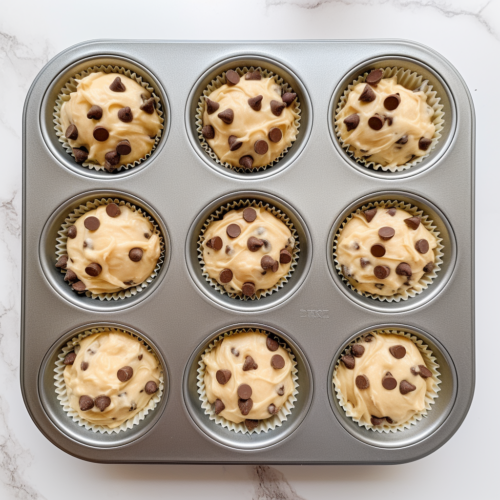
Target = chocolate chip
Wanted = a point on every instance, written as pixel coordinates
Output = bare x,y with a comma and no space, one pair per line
212,106
277,362
255,102
251,424
424,143
227,116
370,214
377,421
208,132
233,230
113,210
110,168
368,94
386,233
148,106
391,212
112,157
72,132
377,250
364,262
249,214
223,376
244,391
349,361
253,75
125,115
381,272
398,351
272,409
362,382
288,97
62,262
235,351
215,243
422,246
125,373
267,262
375,76
123,148
368,338
261,147
69,359
86,403
80,155
402,140
245,406
376,122
277,107
421,370
92,223
389,420
351,122
94,113
219,406
135,254
391,102
280,390
272,344
246,161
102,402
248,289
249,364
100,134
275,134
405,387
93,269
428,267
70,276
117,85
389,382
234,143
357,350
79,286
232,77
84,366
139,357
254,243
225,276
147,236
412,222
404,269
285,256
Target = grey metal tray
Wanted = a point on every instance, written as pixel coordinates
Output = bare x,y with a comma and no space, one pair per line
317,185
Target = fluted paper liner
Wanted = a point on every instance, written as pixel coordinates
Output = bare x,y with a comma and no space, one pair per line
91,205
430,396
264,425
218,82
426,279
410,80
62,395
235,205
71,86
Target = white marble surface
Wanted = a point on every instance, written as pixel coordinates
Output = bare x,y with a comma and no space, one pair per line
467,32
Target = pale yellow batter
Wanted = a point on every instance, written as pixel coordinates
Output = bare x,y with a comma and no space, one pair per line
399,138
361,241
249,125
112,246
93,378
375,364
246,266
140,131
269,386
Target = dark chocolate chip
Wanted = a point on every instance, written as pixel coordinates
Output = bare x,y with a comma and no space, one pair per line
249,214
232,77
86,403
117,85
368,94
125,373
234,143
92,223
113,210
110,168
102,402
219,406
80,155
94,113
398,351
139,357
424,143
151,387
391,212
381,272
248,289
70,276
391,102
69,359
212,106
285,256
375,76
123,148
421,370
62,262
405,387
377,250
377,421
402,140
93,269
72,132
404,269
362,382
376,122
368,338
246,161
227,116
253,75
223,376
422,246
272,409
215,243
235,351
428,267
386,233
277,362
112,157
349,361
288,97
261,147
280,390
277,107
357,350
125,115
389,420
79,286
208,132
225,276
275,134
389,382
244,391
251,424
233,230
135,254
100,134
364,262
255,102
412,222
254,243
249,364
83,366
351,122
370,214
272,344
245,405
267,262
148,106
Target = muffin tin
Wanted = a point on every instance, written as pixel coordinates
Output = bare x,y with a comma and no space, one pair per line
317,185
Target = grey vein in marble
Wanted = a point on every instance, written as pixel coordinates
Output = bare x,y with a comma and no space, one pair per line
271,484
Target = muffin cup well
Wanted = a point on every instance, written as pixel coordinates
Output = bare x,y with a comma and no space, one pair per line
91,205
218,82
426,279
410,80
430,396
62,394
71,86
217,215
264,425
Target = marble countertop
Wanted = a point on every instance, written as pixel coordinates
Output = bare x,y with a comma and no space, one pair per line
467,32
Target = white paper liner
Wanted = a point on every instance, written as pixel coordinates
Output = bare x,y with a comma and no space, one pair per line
411,81
426,279
219,82
264,425
234,205
62,394
91,205
430,396
71,86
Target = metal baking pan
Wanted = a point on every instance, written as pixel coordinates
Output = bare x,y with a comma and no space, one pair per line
315,313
